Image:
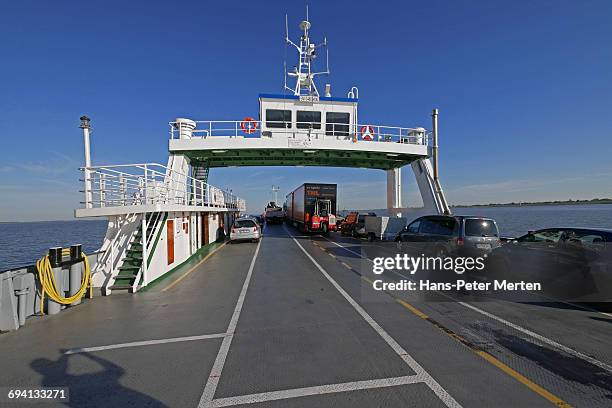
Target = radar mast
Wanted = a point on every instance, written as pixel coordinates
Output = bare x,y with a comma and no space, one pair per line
302,72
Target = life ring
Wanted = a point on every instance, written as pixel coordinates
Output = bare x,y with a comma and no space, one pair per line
248,125
367,133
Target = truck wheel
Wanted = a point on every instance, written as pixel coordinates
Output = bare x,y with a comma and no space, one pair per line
325,229
371,237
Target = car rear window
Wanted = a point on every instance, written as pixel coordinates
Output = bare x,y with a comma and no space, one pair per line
480,228
244,224
443,226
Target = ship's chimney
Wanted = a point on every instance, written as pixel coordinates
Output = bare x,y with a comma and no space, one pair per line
185,127
434,147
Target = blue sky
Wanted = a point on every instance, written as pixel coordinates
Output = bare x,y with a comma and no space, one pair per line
524,90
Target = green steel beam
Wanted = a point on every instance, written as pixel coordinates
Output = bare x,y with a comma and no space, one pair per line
286,157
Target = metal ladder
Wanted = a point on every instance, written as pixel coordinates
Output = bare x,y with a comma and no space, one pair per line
132,262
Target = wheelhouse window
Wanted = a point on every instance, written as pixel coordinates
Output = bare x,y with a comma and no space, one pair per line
337,123
277,118
308,120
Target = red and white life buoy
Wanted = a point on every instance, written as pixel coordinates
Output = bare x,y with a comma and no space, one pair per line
248,125
367,133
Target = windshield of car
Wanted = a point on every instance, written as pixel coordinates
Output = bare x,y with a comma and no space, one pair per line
480,228
541,236
244,224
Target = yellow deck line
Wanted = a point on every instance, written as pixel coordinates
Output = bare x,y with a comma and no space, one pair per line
524,380
412,308
487,356
193,268
491,359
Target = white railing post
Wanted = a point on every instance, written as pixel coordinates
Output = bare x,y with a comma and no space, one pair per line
145,277
102,190
202,198
146,186
122,189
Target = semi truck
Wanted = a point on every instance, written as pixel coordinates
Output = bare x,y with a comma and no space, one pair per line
274,214
312,207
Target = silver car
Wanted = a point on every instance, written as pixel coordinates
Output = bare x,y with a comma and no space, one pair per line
245,229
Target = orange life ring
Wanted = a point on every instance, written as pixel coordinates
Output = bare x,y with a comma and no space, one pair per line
367,133
248,125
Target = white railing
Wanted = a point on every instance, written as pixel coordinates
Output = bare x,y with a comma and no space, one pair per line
152,183
314,130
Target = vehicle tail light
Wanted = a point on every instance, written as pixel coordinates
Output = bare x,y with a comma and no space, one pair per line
460,241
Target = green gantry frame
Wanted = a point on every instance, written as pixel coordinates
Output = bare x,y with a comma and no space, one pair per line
297,157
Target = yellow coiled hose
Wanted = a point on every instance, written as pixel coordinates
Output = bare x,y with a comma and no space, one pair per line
49,285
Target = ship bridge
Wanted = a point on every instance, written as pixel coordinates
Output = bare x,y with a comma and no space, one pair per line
301,127
299,131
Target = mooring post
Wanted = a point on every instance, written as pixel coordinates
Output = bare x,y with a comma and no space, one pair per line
55,257
76,271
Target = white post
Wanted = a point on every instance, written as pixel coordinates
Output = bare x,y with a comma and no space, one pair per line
88,193
394,191
145,275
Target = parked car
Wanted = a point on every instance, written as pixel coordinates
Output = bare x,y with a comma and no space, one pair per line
245,229
570,263
354,224
445,235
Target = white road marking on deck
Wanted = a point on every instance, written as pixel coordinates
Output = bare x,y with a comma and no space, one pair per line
316,390
541,338
215,372
349,250
530,333
145,343
444,396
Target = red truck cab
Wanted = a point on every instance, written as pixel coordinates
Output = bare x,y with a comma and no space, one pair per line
312,207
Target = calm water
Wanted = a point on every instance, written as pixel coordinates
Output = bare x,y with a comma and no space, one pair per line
21,243
515,221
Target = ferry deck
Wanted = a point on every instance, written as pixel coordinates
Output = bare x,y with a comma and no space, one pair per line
293,320
303,328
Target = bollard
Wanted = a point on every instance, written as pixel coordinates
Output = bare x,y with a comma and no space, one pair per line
21,305
76,271
55,257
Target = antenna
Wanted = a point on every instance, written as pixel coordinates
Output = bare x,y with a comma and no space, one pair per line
304,77
275,190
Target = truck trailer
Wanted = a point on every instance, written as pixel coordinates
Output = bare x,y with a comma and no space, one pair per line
273,214
312,207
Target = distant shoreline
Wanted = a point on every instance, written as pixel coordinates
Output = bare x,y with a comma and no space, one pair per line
540,203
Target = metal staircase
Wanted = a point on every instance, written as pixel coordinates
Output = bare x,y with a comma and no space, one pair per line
431,191
200,172
130,271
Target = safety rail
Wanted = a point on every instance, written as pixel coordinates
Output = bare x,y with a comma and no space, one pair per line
248,128
151,183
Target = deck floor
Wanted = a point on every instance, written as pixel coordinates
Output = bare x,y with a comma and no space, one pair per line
289,322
